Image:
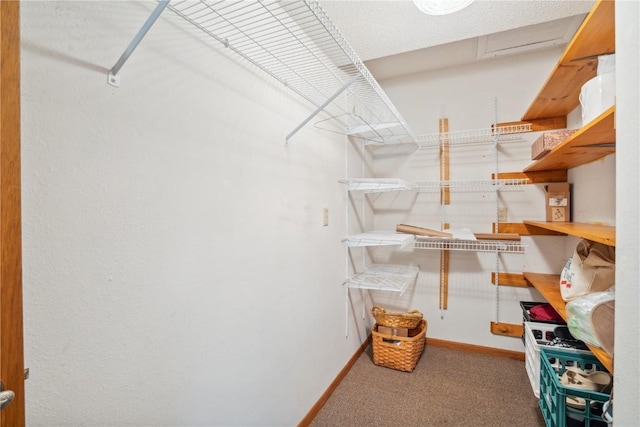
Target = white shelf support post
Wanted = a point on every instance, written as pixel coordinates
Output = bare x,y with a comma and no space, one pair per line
322,107
113,77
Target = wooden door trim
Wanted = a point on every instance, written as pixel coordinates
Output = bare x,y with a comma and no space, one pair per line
11,323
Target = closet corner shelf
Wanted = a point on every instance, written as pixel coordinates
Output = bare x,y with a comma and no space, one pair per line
548,285
595,140
298,45
384,277
578,64
605,234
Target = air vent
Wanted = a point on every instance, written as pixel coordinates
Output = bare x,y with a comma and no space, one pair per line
532,37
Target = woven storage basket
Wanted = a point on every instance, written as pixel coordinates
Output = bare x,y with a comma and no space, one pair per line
400,353
396,320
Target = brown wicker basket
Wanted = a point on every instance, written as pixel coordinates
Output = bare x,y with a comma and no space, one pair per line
396,320
399,353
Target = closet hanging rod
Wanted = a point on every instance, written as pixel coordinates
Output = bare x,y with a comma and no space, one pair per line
113,77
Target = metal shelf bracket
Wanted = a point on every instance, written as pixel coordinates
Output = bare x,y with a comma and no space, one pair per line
322,107
113,78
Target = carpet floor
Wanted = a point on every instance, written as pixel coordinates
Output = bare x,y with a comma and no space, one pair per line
447,388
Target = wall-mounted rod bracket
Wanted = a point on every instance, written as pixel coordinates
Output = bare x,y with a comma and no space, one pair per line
113,77
322,107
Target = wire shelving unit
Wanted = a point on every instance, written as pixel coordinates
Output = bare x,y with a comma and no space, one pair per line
496,134
377,185
379,238
297,44
384,277
504,246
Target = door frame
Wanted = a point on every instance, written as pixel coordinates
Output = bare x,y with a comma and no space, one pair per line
11,322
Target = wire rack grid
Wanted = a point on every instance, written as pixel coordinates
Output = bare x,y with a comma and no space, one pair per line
297,44
384,277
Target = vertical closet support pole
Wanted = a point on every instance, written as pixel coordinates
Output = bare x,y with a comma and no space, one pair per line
113,78
322,107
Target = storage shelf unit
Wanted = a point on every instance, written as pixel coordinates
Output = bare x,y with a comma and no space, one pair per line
475,136
558,97
549,288
384,277
503,246
297,44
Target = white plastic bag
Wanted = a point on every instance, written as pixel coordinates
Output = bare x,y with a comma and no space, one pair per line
579,320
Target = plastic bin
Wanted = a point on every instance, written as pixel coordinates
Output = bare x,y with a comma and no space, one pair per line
532,353
527,305
553,395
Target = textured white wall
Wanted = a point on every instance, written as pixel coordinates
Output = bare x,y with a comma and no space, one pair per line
627,345
467,96
176,270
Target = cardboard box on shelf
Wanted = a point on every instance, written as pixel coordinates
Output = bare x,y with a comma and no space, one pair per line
396,332
558,202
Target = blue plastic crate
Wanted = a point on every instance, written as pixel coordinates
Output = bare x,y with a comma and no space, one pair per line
553,395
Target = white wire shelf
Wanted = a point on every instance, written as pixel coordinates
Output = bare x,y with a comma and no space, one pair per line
512,184
379,238
505,246
475,136
384,277
377,185
296,43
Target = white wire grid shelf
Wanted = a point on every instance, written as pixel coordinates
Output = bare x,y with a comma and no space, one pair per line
475,136
512,184
379,238
377,185
296,43
504,246
384,277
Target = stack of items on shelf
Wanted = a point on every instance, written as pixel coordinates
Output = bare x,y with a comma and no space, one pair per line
574,386
587,285
543,327
398,338
575,389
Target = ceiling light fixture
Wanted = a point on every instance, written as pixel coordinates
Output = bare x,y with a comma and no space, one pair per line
441,7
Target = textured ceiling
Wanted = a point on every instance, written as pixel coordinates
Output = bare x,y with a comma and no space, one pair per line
391,28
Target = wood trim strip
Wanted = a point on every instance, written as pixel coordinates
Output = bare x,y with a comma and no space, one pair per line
538,125
306,421
525,229
11,323
507,329
510,279
535,177
471,348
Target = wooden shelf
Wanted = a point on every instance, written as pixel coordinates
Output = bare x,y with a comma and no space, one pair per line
548,285
578,64
598,233
592,142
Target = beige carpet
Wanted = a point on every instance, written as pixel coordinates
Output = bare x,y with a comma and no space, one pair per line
447,388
